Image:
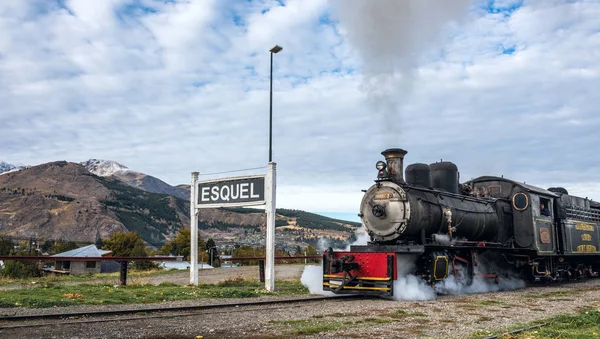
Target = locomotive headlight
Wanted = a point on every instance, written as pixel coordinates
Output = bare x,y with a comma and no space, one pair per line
380,165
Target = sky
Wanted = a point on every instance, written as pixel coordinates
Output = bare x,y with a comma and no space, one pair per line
166,88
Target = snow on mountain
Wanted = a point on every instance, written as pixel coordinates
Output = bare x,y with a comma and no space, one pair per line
8,168
104,168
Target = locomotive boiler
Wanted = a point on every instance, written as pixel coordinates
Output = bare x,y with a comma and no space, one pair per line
445,227
427,203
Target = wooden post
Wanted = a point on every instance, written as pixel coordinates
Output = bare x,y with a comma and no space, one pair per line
123,278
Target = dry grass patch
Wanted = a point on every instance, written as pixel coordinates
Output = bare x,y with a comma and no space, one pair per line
484,319
402,314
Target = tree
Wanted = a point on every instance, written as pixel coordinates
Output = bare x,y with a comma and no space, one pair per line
311,250
210,243
99,242
129,244
6,246
213,253
122,243
47,245
139,250
181,245
20,269
61,246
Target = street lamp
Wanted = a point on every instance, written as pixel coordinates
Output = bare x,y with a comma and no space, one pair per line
273,50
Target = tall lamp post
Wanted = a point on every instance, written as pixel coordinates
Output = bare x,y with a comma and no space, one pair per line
273,50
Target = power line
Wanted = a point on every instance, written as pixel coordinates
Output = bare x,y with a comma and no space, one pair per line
240,170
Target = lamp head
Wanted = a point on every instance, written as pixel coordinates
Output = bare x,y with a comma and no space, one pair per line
276,49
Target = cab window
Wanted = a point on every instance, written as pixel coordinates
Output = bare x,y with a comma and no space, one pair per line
545,207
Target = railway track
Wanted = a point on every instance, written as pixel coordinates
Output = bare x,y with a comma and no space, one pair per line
142,313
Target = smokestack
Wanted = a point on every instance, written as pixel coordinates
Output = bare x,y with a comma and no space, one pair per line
395,162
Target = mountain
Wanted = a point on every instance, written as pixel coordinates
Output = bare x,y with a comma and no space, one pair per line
6,168
107,168
64,200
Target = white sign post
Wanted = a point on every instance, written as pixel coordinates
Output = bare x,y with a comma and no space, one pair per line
235,192
270,247
194,231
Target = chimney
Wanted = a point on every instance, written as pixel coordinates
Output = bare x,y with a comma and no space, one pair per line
395,163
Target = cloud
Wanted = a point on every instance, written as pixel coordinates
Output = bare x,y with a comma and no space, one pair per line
168,88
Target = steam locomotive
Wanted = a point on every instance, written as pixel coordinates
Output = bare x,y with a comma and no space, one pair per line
446,228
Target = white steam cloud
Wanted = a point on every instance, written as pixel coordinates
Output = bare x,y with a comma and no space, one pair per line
362,238
322,244
312,278
407,286
391,36
410,287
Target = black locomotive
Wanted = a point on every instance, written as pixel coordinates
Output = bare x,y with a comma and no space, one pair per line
539,234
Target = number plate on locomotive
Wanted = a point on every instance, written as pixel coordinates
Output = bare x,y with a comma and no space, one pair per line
383,196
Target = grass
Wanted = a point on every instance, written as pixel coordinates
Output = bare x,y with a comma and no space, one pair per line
490,303
548,295
50,295
375,321
401,314
305,327
483,319
317,328
585,324
337,321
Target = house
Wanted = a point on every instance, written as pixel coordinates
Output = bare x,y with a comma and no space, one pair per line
80,267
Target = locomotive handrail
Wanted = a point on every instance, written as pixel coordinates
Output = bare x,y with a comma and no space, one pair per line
108,258
276,258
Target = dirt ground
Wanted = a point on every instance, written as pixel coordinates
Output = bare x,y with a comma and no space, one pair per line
205,276
215,275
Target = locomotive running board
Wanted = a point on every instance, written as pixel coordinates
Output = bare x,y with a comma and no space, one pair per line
349,284
346,285
417,249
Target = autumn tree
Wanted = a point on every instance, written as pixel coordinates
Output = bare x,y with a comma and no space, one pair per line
252,252
311,250
128,244
181,245
122,243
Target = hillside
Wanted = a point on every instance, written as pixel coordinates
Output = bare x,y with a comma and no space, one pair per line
107,168
64,200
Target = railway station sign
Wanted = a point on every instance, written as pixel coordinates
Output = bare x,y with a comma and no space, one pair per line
250,190
234,191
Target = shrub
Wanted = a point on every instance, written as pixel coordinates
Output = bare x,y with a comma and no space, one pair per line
20,269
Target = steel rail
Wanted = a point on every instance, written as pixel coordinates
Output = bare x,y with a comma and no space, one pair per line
168,309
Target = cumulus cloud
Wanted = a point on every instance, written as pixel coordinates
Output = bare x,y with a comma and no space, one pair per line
168,88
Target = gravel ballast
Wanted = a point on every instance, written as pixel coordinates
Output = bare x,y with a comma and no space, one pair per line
450,316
